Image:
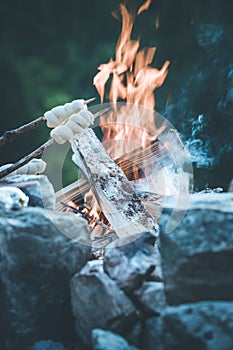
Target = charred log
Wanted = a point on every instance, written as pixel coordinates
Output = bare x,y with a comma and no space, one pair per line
117,198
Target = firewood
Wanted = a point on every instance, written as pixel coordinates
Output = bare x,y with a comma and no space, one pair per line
132,163
119,202
86,216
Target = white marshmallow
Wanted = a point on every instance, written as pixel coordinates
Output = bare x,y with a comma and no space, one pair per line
61,134
58,115
51,119
60,112
35,166
74,126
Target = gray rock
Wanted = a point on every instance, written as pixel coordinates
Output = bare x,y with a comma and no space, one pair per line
105,340
37,187
97,302
151,297
230,188
47,345
12,198
202,326
152,334
133,336
197,257
36,263
130,264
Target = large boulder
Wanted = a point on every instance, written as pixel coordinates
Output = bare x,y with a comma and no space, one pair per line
97,302
37,261
105,340
47,345
37,187
129,265
197,257
150,297
202,326
230,188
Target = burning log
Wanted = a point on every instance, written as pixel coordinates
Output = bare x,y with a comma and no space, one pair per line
132,163
120,203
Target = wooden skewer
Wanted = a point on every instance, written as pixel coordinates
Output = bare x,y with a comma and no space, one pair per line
27,158
37,152
10,135
90,100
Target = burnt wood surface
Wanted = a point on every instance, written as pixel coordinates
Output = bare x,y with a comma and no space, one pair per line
118,200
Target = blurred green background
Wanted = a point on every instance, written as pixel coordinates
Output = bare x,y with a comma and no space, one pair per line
50,51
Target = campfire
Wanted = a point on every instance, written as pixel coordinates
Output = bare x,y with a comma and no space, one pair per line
131,129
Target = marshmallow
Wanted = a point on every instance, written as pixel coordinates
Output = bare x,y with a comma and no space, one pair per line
58,115
74,126
35,166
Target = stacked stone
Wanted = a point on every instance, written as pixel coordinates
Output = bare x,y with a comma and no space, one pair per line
173,294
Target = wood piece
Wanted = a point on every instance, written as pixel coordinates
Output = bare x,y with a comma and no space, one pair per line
133,163
153,203
126,162
86,216
104,240
119,202
74,192
10,135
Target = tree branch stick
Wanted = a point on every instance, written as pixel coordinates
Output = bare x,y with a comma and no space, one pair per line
10,135
36,152
26,159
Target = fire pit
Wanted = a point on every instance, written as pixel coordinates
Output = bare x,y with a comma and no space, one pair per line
134,168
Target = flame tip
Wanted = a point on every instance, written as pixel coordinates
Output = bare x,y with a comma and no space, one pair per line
134,80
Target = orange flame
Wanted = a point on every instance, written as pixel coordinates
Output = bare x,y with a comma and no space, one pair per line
132,65
133,80
145,6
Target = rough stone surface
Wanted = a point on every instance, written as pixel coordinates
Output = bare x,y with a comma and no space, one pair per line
39,189
130,264
230,188
47,345
97,302
202,326
151,297
105,340
197,257
36,262
151,337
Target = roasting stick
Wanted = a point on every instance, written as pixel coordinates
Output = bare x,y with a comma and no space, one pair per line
37,152
10,135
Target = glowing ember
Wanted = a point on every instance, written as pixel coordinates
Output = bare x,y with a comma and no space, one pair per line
95,217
